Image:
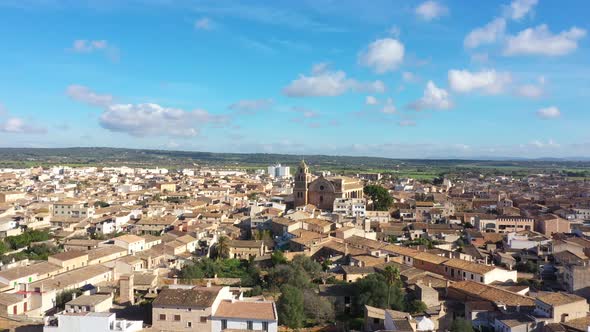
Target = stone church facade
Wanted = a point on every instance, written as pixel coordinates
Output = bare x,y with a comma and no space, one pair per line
322,191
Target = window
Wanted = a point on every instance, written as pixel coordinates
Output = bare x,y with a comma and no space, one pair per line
162,317
176,317
264,326
250,325
481,279
189,324
224,324
203,319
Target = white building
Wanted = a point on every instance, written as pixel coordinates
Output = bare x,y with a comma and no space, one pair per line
350,207
245,315
279,172
90,322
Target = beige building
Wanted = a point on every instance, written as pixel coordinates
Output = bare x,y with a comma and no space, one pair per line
187,309
69,260
11,196
168,187
322,191
132,243
244,249
71,209
561,307
90,303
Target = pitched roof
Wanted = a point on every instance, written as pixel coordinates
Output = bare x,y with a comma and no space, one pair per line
195,297
246,310
559,298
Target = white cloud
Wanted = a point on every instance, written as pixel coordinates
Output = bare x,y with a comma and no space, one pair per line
147,119
383,55
540,41
395,31
251,106
204,23
90,46
319,68
480,57
486,81
434,98
488,34
370,100
154,120
389,107
532,90
429,10
520,8
329,83
410,77
550,112
87,46
87,96
15,125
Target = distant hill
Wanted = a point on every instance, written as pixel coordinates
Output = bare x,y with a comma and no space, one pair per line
77,156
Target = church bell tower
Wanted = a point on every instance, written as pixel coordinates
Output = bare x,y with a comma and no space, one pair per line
302,179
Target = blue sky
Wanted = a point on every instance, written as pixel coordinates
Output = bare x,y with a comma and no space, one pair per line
406,79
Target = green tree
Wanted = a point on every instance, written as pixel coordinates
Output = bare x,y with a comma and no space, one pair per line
317,309
381,198
416,306
370,291
311,267
290,307
278,258
391,274
101,204
461,325
222,247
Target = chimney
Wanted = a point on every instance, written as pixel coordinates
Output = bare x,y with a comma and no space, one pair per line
74,295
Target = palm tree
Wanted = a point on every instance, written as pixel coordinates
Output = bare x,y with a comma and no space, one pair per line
222,247
391,274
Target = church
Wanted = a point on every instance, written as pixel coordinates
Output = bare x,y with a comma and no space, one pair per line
322,191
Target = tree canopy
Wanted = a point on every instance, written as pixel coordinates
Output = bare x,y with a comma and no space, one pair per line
381,198
291,307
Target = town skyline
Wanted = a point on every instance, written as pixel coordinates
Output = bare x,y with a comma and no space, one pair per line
411,80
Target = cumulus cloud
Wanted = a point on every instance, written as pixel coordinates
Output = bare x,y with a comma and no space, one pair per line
520,8
410,77
87,96
91,46
204,23
550,112
15,125
540,41
319,68
326,83
146,119
154,120
486,81
532,90
251,106
389,107
429,10
370,100
383,55
434,98
87,46
488,34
